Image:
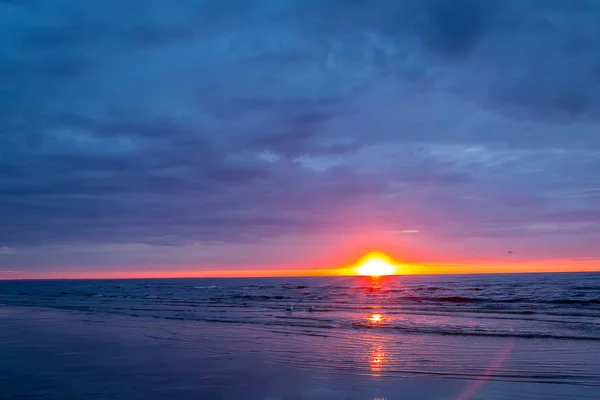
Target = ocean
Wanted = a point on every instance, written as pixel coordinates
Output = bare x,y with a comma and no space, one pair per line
538,330
562,306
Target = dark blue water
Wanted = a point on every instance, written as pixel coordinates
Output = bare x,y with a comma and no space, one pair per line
561,306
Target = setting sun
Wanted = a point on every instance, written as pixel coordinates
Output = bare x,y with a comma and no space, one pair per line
376,264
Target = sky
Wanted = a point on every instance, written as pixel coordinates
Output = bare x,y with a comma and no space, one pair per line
154,137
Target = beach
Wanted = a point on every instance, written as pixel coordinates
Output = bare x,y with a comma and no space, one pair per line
58,353
300,200
69,355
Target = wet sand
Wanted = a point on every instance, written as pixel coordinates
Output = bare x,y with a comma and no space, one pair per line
57,354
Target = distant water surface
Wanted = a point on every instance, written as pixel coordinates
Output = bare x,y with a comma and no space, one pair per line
565,306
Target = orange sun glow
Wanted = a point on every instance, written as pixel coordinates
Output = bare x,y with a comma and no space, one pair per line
376,264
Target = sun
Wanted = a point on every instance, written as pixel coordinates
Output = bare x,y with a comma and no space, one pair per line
376,264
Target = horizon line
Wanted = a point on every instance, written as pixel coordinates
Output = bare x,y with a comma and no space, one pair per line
116,277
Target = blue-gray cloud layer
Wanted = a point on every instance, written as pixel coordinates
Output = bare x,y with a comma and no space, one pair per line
148,121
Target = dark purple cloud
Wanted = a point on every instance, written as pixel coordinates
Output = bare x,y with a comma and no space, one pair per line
125,122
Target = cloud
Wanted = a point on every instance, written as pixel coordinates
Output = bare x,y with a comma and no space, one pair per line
148,122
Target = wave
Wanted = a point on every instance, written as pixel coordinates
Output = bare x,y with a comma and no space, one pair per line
579,302
302,321
254,297
453,332
462,299
587,288
443,299
252,287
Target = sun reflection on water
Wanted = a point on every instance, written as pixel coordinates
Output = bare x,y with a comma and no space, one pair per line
375,318
377,359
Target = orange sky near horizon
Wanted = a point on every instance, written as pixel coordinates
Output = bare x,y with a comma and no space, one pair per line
295,271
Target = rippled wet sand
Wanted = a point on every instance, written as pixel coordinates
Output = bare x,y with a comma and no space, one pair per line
53,354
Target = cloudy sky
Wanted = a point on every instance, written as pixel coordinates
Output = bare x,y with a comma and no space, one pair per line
155,135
